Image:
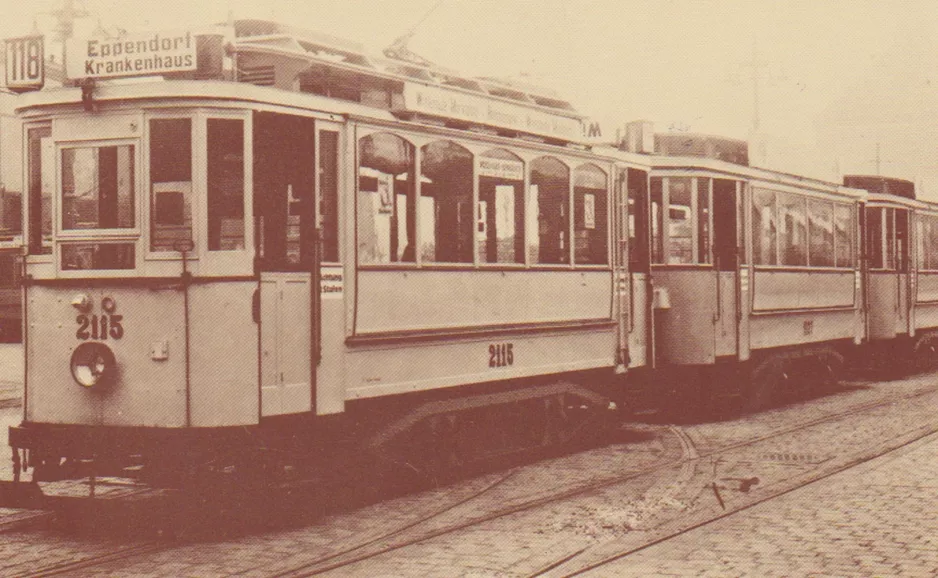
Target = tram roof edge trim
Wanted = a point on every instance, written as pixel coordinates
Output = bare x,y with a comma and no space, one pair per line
206,90
668,164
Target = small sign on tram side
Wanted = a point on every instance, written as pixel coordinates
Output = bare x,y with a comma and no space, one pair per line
24,62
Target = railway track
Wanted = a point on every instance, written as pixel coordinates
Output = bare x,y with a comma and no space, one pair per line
560,568
452,517
412,534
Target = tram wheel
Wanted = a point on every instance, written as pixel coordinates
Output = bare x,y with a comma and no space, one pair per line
925,354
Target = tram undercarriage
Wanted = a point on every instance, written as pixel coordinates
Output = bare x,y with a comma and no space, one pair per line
432,436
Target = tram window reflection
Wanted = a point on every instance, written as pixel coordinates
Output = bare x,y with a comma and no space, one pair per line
821,231
225,184
386,203
550,199
446,215
703,219
589,215
97,256
792,216
41,175
170,182
680,222
98,188
500,227
928,254
764,228
657,220
329,194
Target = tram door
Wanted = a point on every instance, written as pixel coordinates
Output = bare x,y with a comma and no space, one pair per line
288,261
726,264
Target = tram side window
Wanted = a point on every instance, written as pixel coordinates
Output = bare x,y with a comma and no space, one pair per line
590,194
638,220
764,228
11,210
657,221
874,237
928,255
500,227
881,237
41,179
921,229
329,194
680,222
550,198
843,235
792,218
170,182
386,199
821,233
889,238
703,220
98,188
931,244
225,184
447,218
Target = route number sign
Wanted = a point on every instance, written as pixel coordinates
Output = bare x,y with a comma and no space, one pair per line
24,64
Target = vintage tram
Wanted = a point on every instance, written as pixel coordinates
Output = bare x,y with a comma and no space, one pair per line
290,244
277,251
756,274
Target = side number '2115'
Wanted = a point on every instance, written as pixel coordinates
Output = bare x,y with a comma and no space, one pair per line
501,355
99,327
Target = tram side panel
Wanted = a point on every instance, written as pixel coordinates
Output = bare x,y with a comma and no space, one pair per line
802,307
148,341
223,355
404,304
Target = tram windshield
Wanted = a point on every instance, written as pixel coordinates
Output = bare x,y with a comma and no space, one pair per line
139,198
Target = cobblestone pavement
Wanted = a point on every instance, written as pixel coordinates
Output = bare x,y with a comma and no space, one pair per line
627,513
878,519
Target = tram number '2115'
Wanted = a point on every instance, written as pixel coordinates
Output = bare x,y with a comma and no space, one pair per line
99,327
501,354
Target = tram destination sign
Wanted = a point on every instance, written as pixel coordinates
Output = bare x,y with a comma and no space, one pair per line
437,101
131,55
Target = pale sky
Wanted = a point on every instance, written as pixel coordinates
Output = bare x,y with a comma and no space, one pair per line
679,63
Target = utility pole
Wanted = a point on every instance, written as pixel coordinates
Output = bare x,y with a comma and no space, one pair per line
756,71
65,18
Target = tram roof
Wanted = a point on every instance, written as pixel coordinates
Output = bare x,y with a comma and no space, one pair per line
664,165
397,84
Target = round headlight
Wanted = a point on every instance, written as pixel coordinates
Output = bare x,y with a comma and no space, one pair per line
92,364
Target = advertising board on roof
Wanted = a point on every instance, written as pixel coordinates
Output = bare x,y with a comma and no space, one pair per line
131,55
436,101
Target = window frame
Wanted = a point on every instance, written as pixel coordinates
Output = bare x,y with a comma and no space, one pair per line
525,183
808,197
924,255
174,114
27,205
698,184
473,202
608,206
221,260
129,233
477,147
247,237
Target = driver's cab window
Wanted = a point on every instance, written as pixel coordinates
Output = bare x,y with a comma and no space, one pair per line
170,183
